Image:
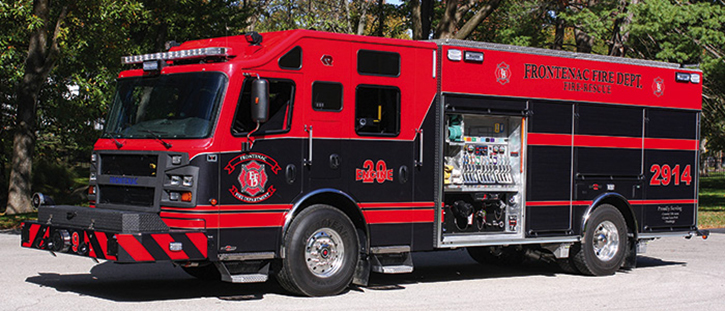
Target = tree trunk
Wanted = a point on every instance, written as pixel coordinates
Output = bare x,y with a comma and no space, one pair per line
621,33
447,25
559,34
361,23
584,41
422,12
381,17
477,19
415,19
42,54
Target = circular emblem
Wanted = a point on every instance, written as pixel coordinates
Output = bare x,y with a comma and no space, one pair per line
503,73
658,86
253,179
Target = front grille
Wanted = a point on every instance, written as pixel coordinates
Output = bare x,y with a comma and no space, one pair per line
129,164
139,196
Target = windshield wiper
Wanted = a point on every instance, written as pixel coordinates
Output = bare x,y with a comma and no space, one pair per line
157,137
118,143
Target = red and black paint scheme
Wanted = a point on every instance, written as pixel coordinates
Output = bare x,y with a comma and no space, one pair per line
364,125
127,248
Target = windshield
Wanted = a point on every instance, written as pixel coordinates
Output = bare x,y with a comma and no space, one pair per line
166,106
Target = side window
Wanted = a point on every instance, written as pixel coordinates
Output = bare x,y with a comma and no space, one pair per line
377,110
281,96
292,60
327,96
378,63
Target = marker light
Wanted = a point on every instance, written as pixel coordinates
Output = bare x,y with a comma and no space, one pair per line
176,159
176,246
682,77
695,78
476,57
186,197
455,55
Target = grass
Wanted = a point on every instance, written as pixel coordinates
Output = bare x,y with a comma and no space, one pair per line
710,215
13,221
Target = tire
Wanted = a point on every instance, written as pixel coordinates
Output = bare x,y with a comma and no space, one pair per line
321,252
207,272
604,244
500,256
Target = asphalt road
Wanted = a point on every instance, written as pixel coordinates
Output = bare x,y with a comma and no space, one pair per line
674,274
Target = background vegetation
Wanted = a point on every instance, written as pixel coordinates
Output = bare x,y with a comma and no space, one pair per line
59,59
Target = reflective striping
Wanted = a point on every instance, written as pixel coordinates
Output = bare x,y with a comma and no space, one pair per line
164,240
200,241
396,205
102,238
596,141
399,216
638,202
674,201
133,248
122,247
557,203
33,232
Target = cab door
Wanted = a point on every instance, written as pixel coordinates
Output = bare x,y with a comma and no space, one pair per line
257,186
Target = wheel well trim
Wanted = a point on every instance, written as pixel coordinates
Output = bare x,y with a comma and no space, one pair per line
300,204
620,203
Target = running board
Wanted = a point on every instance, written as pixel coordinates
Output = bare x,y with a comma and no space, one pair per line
256,271
391,259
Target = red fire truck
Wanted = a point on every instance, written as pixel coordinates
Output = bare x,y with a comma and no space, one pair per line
321,157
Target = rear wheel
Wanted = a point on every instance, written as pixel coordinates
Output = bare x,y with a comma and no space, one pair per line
321,251
602,249
497,255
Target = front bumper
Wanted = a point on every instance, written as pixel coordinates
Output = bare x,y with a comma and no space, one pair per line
121,243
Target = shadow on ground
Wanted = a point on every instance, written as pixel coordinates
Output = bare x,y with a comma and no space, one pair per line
163,281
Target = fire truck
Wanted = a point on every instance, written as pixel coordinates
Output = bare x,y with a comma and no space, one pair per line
320,158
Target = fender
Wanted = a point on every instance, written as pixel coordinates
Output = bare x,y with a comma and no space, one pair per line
620,202
302,202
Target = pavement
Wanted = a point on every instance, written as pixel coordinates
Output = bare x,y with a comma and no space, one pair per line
674,274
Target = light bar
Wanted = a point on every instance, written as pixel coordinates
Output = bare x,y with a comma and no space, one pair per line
175,55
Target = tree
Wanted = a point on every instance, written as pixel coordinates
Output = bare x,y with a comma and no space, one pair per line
43,51
686,33
59,61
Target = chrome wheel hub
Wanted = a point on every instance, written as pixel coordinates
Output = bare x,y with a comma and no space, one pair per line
606,241
324,252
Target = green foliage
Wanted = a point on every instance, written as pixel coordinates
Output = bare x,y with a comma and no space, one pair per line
516,22
92,39
13,221
688,33
711,213
58,181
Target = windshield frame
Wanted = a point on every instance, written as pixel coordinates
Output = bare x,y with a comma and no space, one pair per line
113,129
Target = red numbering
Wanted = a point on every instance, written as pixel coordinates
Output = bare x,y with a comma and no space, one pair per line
374,172
76,241
664,175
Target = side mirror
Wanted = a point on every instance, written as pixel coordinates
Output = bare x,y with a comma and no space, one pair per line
260,100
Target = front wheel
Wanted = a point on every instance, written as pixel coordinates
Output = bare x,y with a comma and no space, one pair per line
602,249
321,251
